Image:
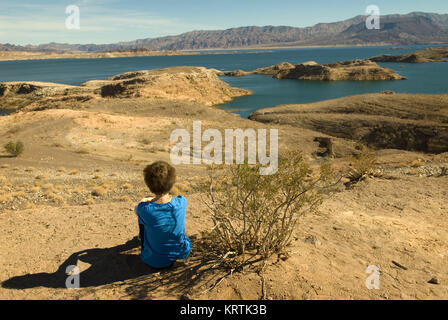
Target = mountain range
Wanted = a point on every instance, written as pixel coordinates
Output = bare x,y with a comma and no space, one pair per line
412,28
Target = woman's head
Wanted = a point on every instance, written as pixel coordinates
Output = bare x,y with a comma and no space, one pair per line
160,177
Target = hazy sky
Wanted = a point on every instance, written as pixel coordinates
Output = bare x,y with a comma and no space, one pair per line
107,21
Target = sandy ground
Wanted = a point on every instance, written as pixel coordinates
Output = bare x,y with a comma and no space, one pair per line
69,200
371,225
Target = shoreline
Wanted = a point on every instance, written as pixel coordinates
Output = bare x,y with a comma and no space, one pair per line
37,55
335,46
275,47
30,56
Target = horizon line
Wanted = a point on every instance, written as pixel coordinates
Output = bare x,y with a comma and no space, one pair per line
215,30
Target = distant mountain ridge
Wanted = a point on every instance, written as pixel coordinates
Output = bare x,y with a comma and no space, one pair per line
412,28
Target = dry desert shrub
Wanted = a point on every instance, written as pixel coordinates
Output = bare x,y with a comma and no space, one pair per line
108,184
89,201
125,199
77,190
73,172
29,169
363,164
19,195
5,166
256,215
35,189
184,187
127,186
56,198
5,198
175,191
14,148
3,180
99,191
417,163
62,169
145,141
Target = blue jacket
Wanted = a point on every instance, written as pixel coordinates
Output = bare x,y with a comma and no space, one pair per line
164,239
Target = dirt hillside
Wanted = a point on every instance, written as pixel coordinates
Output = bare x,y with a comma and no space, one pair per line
69,200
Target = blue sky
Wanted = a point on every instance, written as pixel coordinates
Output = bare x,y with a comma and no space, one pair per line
106,21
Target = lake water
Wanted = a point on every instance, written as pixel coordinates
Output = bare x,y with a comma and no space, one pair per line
268,92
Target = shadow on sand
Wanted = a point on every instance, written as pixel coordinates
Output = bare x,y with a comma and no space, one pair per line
108,265
118,265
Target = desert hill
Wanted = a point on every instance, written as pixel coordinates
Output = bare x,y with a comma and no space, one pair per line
69,198
356,70
438,54
412,28
193,84
386,120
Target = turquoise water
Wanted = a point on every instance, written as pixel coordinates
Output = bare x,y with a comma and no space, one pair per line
431,78
268,92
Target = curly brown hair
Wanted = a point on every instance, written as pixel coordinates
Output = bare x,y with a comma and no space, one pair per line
160,177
